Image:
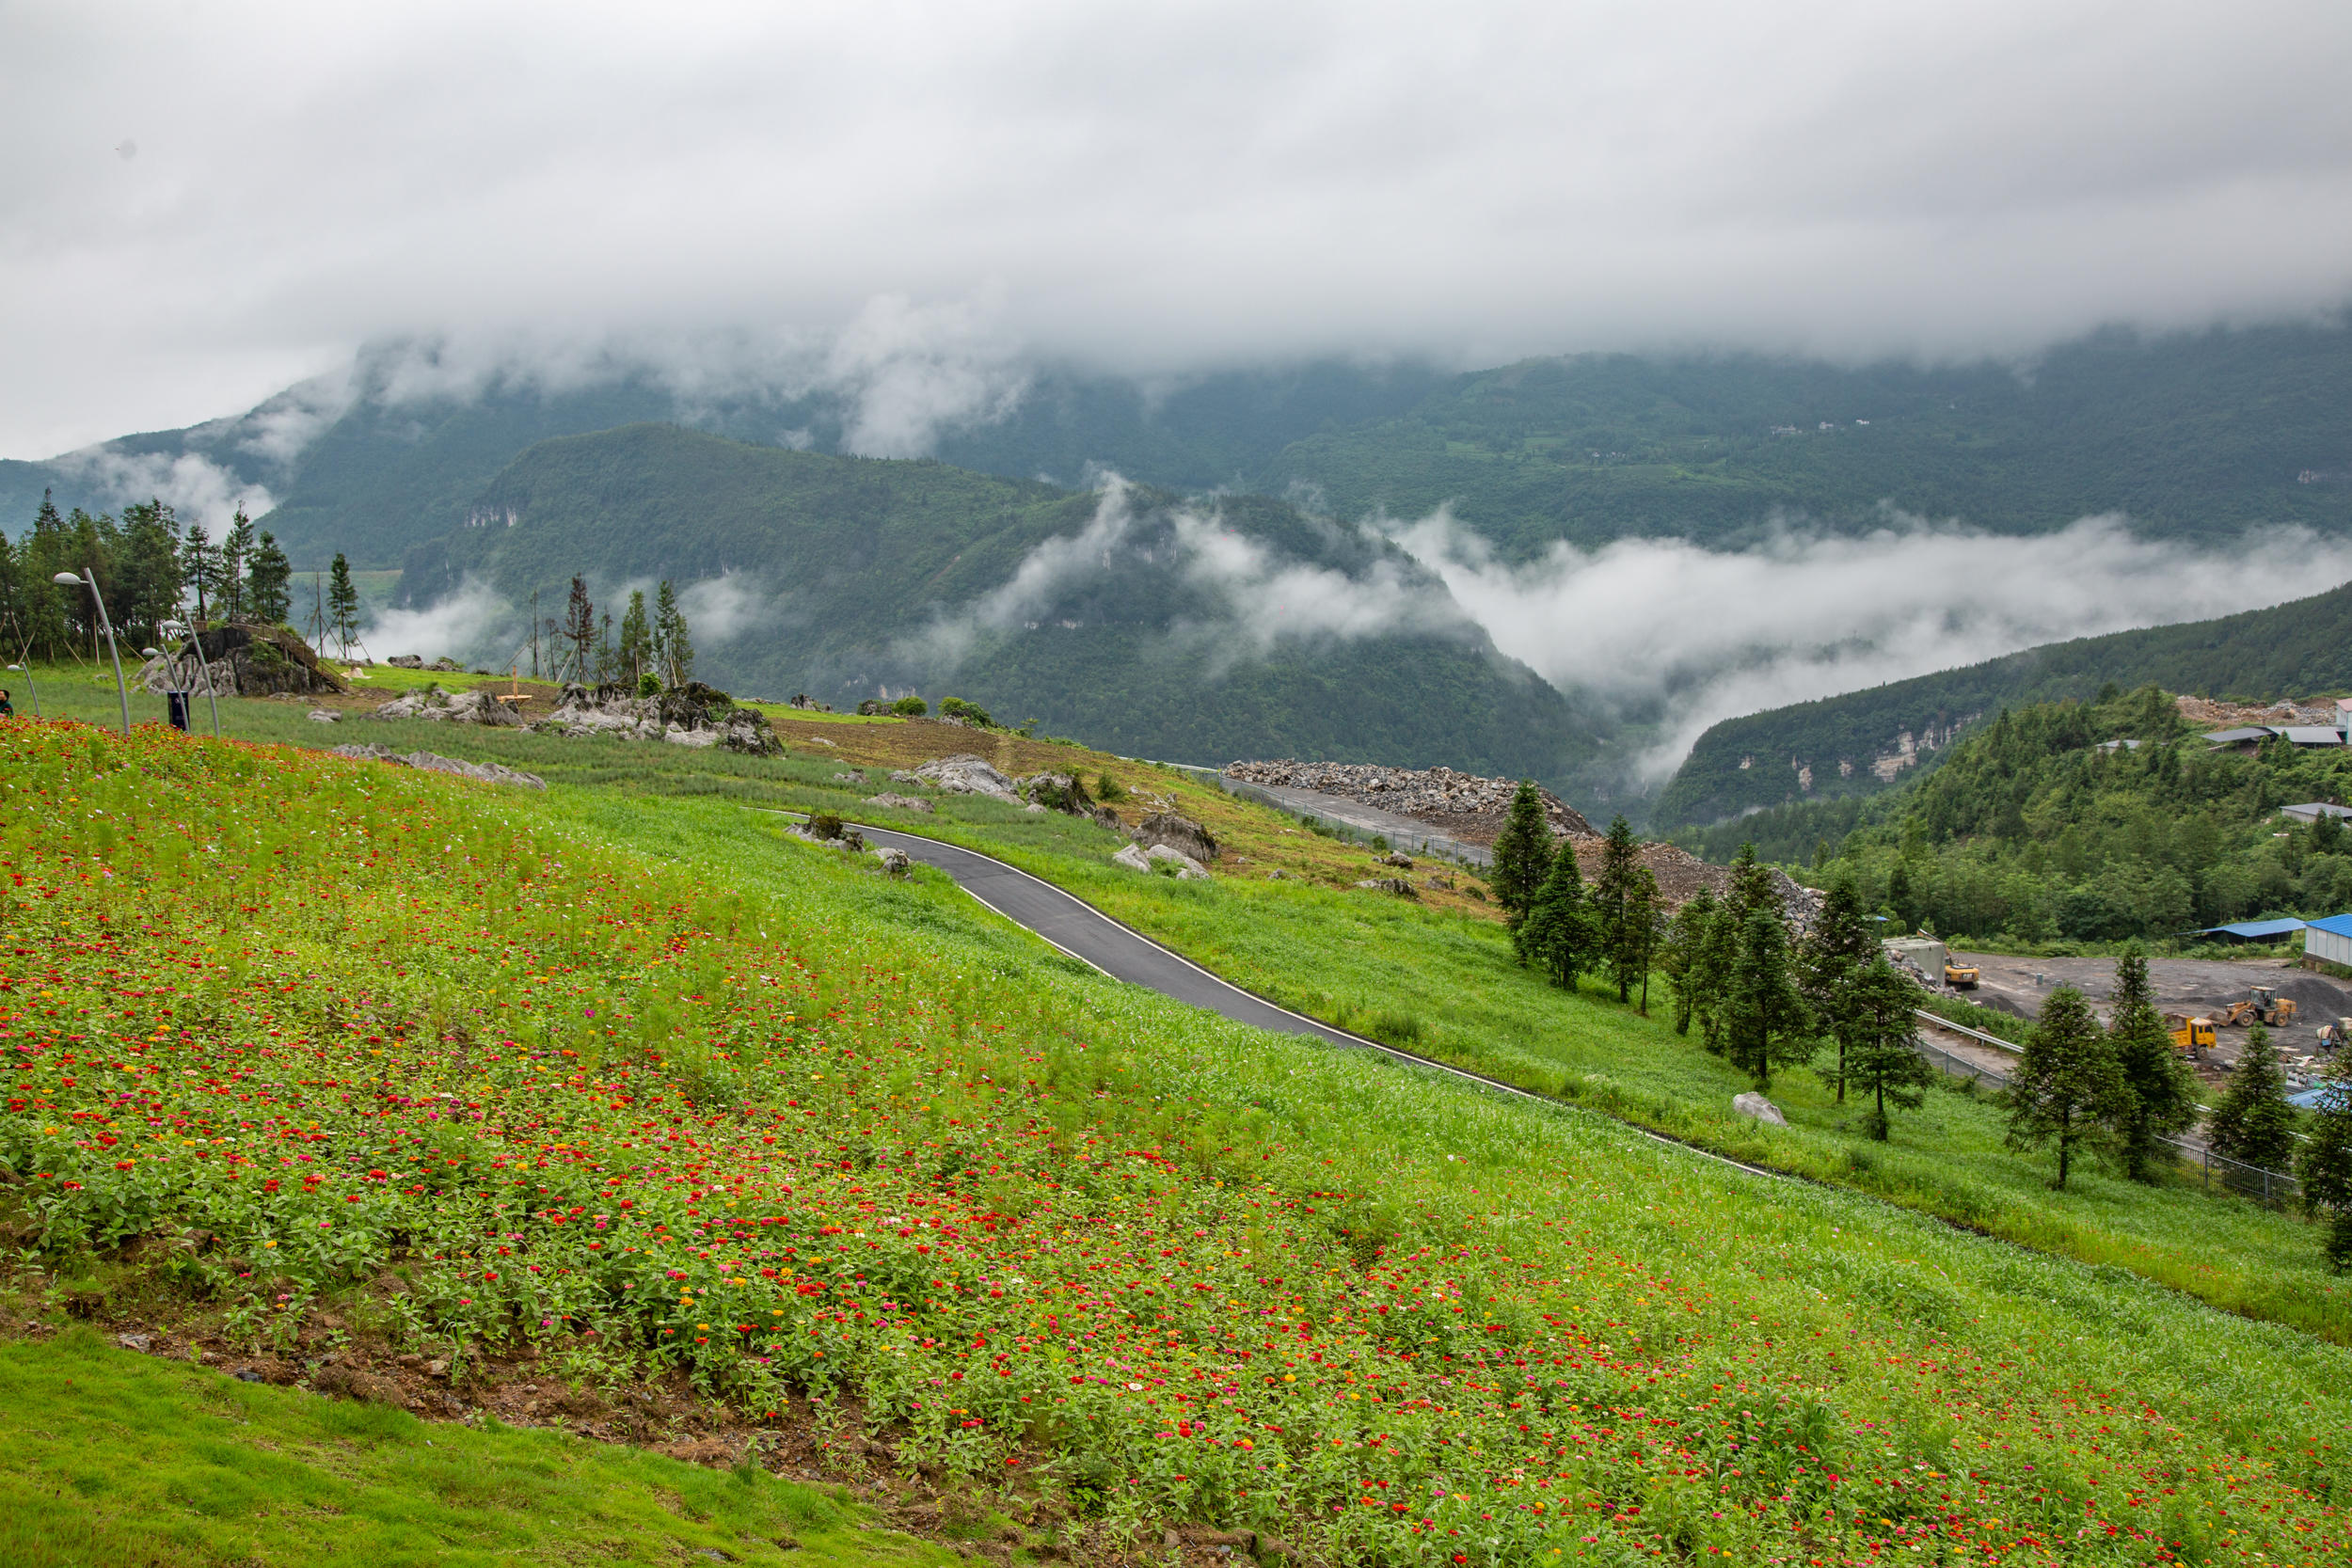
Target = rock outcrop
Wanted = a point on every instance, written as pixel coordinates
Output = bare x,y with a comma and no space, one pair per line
1180,833
691,714
963,773
436,705
487,772
244,661
901,802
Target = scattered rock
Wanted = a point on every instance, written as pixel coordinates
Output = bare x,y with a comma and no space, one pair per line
1132,858
1402,862
964,774
406,661
1177,832
1279,875
901,802
1397,886
897,863
1187,869
437,706
487,772
247,1374
141,1343
690,715
1756,1105
1465,806
848,778
1063,792
324,716
678,737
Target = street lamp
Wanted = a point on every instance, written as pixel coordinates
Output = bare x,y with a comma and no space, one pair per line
174,629
89,579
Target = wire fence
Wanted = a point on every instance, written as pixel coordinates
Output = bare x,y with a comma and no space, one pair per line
2213,1170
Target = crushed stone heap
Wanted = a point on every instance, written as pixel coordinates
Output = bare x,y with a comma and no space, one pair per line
1467,806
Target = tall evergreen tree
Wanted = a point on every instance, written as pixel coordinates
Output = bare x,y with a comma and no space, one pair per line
577,632
674,646
636,639
2254,1123
269,599
2067,1089
1623,943
236,550
2163,1090
1679,952
607,656
1765,1021
1876,1043
1836,951
200,560
1559,933
2326,1168
1645,923
147,574
343,604
1522,854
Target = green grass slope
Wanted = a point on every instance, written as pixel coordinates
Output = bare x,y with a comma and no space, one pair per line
2299,649
748,1110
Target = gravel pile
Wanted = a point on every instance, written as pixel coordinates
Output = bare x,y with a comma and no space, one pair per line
1463,804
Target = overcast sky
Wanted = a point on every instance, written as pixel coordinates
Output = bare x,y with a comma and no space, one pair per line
199,202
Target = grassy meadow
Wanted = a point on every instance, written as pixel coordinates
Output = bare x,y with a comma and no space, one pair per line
630,1080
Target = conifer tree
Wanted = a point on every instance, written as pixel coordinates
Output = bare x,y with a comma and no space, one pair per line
1623,943
2163,1090
1876,1042
236,549
1765,1021
2254,1123
1558,934
1681,951
1836,951
202,563
343,604
607,656
673,645
2067,1089
1522,855
2326,1168
1646,926
269,600
636,639
578,630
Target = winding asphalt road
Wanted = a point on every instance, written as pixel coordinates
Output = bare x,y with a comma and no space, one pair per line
1088,935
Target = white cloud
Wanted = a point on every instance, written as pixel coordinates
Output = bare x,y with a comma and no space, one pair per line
1709,635
472,624
722,608
1151,187
196,488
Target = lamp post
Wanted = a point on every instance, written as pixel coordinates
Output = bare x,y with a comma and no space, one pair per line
89,579
196,641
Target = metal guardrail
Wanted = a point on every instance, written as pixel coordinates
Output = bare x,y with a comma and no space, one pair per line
1994,1041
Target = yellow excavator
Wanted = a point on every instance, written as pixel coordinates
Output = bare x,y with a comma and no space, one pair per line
2190,1035
1960,976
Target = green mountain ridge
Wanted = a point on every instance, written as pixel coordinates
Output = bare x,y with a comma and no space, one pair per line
1751,763
861,573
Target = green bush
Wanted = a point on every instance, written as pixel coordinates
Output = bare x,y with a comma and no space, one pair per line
914,708
956,707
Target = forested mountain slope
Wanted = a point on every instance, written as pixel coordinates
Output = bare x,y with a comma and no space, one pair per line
2299,649
2082,821
2193,434
859,573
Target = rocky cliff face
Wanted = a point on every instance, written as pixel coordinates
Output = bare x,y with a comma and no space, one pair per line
243,660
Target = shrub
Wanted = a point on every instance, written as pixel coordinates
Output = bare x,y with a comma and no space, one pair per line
824,824
648,685
914,708
1108,789
956,707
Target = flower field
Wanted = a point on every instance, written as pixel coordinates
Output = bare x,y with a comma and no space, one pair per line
644,1086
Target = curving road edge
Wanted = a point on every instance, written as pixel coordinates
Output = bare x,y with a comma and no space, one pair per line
1076,928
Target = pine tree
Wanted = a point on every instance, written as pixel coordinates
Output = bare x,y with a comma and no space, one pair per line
2163,1090
343,604
2254,1123
236,549
2067,1089
1623,944
1765,1021
607,656
636,639
1679,952
148,577
1522,855
1876,1048
268,599
674,648
1643,921
1836,951
1558,935
202,563
578,630
2325,1169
